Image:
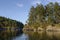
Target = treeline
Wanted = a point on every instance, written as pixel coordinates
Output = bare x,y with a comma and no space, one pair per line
6,22
44,15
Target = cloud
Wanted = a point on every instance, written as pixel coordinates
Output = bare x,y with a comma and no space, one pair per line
19,5
36,2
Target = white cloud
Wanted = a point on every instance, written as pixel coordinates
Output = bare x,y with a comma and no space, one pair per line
19,5
36,2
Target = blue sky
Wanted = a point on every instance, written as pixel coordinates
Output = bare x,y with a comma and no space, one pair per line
19,9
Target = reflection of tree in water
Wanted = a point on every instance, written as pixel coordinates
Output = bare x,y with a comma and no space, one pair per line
35,36
5,35
42,36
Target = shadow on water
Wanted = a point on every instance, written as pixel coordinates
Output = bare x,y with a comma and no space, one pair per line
43,35
9,35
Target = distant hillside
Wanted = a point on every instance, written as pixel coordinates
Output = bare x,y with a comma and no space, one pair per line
7,22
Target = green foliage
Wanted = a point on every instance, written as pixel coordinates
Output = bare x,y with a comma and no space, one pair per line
44,15
6,22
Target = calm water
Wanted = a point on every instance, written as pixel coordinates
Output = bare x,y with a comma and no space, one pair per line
30,36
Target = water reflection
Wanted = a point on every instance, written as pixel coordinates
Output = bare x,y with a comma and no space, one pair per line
21,37
43,35
8,34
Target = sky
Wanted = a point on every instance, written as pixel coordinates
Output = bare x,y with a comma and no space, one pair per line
19,9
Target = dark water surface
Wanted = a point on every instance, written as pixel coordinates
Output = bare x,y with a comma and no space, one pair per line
11,35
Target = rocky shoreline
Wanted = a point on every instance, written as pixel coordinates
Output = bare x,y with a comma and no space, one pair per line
49,28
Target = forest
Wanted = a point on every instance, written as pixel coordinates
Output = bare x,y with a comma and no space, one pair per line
9,23
44,15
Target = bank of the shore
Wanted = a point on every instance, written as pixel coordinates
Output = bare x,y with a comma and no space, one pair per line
48,28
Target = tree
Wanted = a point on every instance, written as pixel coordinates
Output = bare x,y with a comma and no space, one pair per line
42,16
31,16
6,22
57,12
